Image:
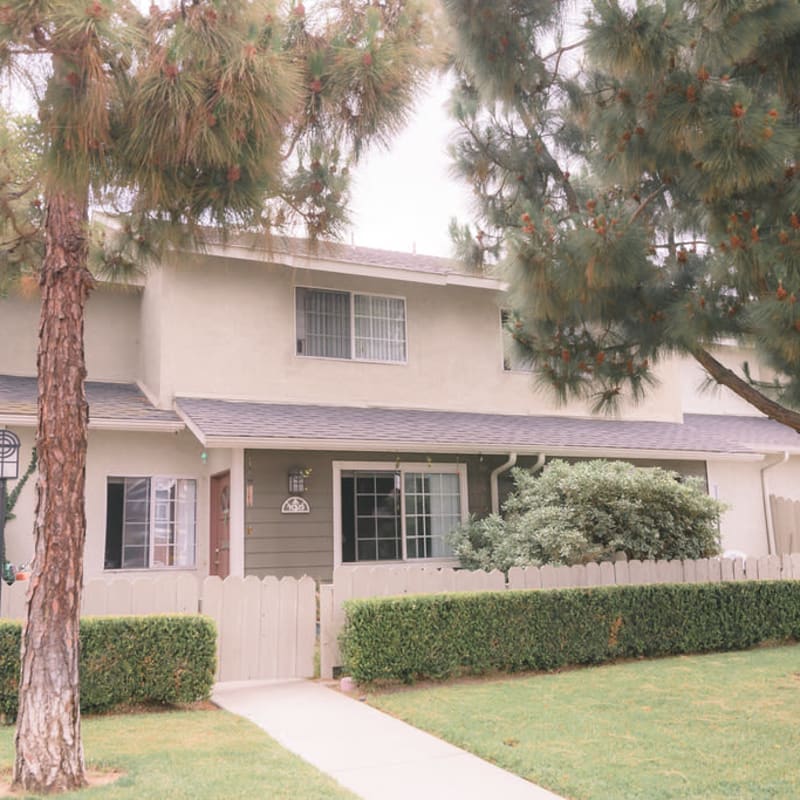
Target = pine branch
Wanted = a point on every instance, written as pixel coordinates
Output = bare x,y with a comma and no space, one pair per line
726,377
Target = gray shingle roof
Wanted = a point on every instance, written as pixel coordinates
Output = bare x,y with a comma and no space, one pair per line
350,254
413,429
107,401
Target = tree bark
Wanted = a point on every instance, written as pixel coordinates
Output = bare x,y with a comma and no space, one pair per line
49,752
722,375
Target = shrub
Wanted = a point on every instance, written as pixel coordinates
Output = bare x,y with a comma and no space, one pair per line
588,511
127,660
445,635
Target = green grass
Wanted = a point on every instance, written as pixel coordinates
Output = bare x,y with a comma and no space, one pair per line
189,754
711,726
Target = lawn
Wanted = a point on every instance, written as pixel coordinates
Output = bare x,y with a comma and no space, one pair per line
712,726
195,755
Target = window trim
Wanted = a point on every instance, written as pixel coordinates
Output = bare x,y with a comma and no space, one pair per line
402,467
509,370
351,294
153,477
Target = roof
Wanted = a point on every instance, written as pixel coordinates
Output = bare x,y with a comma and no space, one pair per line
342,258
287,426
118,406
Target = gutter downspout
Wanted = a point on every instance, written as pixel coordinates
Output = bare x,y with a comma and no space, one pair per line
512,459
767,507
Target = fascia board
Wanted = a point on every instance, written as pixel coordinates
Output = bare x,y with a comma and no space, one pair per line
22,420
192,426
150,426
261,443
358,270
104,424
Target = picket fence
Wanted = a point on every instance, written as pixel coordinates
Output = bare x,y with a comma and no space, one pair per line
265,628
361,581
268,628
786,523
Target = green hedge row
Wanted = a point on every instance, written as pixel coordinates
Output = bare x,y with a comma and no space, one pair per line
124,660
439,636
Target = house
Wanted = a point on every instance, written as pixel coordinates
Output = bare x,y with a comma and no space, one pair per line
284,409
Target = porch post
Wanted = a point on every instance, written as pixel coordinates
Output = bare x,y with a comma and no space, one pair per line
237,531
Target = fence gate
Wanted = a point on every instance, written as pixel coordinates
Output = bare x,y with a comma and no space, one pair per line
265,628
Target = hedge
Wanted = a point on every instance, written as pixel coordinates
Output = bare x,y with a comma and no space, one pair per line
127,660
445,635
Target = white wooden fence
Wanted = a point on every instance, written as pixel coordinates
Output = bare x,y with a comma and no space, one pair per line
786,524
268,628
265,628
362,581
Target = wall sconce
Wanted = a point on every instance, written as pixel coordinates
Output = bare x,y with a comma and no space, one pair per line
297,480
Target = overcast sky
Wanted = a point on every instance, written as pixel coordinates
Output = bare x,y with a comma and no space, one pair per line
404,198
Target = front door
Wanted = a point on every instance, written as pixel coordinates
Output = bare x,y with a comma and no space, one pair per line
220,534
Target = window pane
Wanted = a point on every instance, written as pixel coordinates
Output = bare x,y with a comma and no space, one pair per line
323,323
379,328
433,509
135,523
174,526
366,551
151,523
377,523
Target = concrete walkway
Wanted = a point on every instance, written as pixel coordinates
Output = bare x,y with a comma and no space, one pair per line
374,755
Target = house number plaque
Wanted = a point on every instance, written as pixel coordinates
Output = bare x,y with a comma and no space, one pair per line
295,505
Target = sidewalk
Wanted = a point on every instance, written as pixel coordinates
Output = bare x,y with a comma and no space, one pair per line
374,755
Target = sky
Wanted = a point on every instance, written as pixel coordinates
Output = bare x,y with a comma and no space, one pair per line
403,198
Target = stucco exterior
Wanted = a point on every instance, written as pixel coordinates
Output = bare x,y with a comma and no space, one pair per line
229,332
221,325
115,454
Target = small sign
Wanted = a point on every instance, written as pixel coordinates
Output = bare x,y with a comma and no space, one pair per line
295,505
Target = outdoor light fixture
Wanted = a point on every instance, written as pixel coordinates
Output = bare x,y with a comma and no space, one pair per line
297,480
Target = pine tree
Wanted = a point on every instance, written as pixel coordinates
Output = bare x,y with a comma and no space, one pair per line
638,176
233,114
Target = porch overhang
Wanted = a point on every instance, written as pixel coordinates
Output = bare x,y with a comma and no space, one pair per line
281,426
112,407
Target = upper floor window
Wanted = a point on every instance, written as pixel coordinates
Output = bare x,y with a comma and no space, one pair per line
514,360
364,327
150,522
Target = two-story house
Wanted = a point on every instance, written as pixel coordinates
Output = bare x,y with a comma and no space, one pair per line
283,410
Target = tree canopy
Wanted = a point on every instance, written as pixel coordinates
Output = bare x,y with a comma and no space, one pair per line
637,175
211,113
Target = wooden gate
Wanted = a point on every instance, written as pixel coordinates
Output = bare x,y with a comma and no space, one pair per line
265,628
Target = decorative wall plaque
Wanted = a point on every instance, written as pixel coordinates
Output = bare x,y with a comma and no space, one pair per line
295,505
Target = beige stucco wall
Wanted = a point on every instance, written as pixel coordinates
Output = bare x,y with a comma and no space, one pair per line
111,334
229,332
122,455
743,525
698,397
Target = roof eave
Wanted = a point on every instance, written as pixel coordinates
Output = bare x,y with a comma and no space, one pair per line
341,267
455,448
104,424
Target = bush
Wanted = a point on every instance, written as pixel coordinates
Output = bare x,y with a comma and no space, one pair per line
574,513
127,660
446,635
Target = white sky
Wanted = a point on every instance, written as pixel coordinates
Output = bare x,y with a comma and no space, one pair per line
404,198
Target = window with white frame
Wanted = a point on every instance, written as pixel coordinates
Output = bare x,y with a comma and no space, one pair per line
514,360
364,327
402,513
150,522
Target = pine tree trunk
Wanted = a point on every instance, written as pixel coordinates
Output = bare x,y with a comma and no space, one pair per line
49,752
